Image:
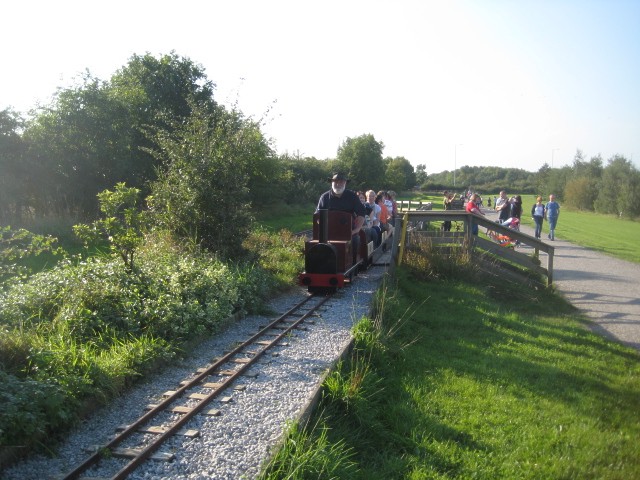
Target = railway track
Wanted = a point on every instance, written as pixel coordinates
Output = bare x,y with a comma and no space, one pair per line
144,438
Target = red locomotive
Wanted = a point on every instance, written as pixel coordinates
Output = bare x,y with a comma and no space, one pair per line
330,261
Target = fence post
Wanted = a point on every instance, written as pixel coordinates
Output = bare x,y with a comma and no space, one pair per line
397,251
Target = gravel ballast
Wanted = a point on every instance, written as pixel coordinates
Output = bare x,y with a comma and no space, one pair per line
235,444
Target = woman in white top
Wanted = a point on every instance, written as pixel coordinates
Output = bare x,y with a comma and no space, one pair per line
537,213
375,215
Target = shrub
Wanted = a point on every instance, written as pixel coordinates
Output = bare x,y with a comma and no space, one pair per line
30,409
87,329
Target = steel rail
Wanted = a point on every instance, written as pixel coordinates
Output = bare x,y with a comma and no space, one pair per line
146,452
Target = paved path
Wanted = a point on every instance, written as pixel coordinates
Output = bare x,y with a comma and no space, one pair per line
606,289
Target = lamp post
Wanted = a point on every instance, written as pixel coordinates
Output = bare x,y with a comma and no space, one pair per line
455,162
553,150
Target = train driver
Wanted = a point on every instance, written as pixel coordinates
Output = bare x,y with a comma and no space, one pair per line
340,198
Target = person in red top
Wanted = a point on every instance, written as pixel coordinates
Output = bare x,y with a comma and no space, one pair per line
384,213
473,208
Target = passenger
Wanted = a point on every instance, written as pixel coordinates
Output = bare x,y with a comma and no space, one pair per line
384,213
339,198
394,206
375,216
367,208
372,233
472,207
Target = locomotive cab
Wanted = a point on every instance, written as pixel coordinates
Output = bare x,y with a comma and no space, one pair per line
329,256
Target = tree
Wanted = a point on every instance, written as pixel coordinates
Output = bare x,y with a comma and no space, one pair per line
123,223
399,174
361,159
619,193
94,134
202,192
81,144
421,175
588,175
303,179
555,182
13,173
169,85
160,93
577,194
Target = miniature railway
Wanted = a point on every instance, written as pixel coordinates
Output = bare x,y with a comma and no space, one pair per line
141,440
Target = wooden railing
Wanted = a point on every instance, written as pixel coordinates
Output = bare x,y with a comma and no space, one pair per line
527,258
407,205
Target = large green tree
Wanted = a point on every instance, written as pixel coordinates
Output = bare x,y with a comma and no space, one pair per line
303,179
94,134
361,158
583,186
399,174
421,175
82,144
620,188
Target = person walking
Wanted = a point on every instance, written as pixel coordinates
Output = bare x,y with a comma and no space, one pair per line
537,213
446,203
552,211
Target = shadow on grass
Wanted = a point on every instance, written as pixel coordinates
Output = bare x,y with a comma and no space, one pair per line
467,333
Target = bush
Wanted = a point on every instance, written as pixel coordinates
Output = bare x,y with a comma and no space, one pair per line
30,409
87,329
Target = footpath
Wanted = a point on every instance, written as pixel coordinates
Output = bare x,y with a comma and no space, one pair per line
605,289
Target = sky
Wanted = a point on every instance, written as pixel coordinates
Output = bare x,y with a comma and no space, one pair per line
447,83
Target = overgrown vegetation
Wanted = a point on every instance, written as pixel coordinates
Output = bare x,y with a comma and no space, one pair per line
86,329
19,244
484,380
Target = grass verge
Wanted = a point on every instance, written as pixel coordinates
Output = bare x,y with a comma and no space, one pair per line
462,378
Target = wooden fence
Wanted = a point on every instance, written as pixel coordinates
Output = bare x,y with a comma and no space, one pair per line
527,254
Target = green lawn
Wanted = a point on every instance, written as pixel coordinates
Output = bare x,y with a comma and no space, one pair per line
475,381
604,233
